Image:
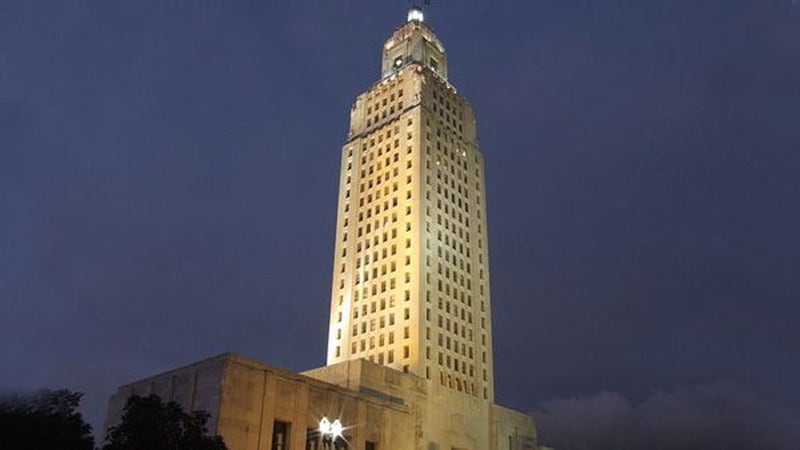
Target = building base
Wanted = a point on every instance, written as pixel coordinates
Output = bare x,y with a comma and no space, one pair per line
255,406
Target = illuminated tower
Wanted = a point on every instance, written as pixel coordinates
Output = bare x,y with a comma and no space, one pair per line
411,268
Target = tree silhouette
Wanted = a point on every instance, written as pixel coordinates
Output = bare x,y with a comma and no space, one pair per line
150,424
42,421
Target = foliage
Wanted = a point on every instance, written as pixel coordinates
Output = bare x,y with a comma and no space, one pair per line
43,421
150,424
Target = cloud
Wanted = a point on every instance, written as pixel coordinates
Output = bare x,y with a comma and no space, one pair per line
716,416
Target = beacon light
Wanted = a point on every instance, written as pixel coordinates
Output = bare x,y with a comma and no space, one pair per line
415,14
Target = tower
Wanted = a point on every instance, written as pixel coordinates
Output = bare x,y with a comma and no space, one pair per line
410,286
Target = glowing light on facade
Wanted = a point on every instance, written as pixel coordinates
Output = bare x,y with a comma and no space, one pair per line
332,430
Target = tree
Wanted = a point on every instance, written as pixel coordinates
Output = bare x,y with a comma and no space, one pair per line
43,421
150,424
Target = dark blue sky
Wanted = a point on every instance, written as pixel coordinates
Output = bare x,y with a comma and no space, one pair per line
168,176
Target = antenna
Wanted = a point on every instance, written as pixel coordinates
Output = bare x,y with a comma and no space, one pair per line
417,5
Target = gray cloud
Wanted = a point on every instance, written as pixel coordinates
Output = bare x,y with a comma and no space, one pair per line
718,416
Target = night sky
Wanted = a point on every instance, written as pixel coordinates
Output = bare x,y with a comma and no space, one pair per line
168,187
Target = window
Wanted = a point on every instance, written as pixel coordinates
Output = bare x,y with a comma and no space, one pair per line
280,435
312,439
434,64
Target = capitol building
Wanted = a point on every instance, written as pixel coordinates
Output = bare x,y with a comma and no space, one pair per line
409,364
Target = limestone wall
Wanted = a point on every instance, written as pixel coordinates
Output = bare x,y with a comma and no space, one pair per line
512,430
442,418
247,399
195,387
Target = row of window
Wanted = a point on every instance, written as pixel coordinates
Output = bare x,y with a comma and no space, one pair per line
453,174
459,312
384,101
455,324
360,347
454,344
459,259
461,385
456,365
451,114
373,195
453,150
374,167
384,113
447,158
448,119
379,136
374,324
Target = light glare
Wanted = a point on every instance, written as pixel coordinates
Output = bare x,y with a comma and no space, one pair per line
332,430
325,426
415,14
336,428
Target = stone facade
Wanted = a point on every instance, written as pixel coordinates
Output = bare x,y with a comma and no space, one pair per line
442,419
254,406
